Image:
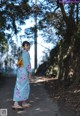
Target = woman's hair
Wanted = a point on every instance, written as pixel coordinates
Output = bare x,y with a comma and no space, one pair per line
25,42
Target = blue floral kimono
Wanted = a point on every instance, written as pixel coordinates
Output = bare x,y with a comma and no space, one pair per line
22,87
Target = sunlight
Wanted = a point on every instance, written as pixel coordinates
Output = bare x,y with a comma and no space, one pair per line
21,112
37,98
31,101
41,79
42,110
37,109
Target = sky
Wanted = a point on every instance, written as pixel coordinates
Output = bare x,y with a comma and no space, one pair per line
40,51
41,46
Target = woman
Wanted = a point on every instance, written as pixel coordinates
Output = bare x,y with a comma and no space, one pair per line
22,87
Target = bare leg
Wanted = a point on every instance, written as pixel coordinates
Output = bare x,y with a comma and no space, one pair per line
16,103
17,106
25,104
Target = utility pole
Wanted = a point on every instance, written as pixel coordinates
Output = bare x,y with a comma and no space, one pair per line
35,34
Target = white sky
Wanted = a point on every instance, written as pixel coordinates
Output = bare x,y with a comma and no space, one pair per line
40,48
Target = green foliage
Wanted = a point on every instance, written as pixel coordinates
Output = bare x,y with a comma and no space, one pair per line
57,23
65,20
12,14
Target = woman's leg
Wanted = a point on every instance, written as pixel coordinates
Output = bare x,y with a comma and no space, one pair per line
25,104
17,106
16,103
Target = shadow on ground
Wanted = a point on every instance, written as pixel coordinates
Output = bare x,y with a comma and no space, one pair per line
42,104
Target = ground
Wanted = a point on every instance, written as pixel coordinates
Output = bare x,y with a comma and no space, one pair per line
46,97
68,95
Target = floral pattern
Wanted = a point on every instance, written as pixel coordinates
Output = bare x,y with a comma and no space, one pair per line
22,86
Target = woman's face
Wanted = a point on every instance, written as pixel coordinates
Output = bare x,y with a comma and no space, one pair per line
26,47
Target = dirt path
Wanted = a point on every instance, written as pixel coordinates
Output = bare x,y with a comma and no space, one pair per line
42,104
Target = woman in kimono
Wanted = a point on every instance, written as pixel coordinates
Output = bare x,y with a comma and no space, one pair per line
22,87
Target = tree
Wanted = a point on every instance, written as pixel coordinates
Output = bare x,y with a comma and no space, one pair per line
12,14
64,18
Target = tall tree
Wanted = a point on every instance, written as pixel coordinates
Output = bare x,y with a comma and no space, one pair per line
13,13
64,18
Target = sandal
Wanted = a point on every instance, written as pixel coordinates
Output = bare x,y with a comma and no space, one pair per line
17,107
26,105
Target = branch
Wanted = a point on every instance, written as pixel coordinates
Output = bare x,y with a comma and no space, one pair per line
72,11
63,13
77,12
56,9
